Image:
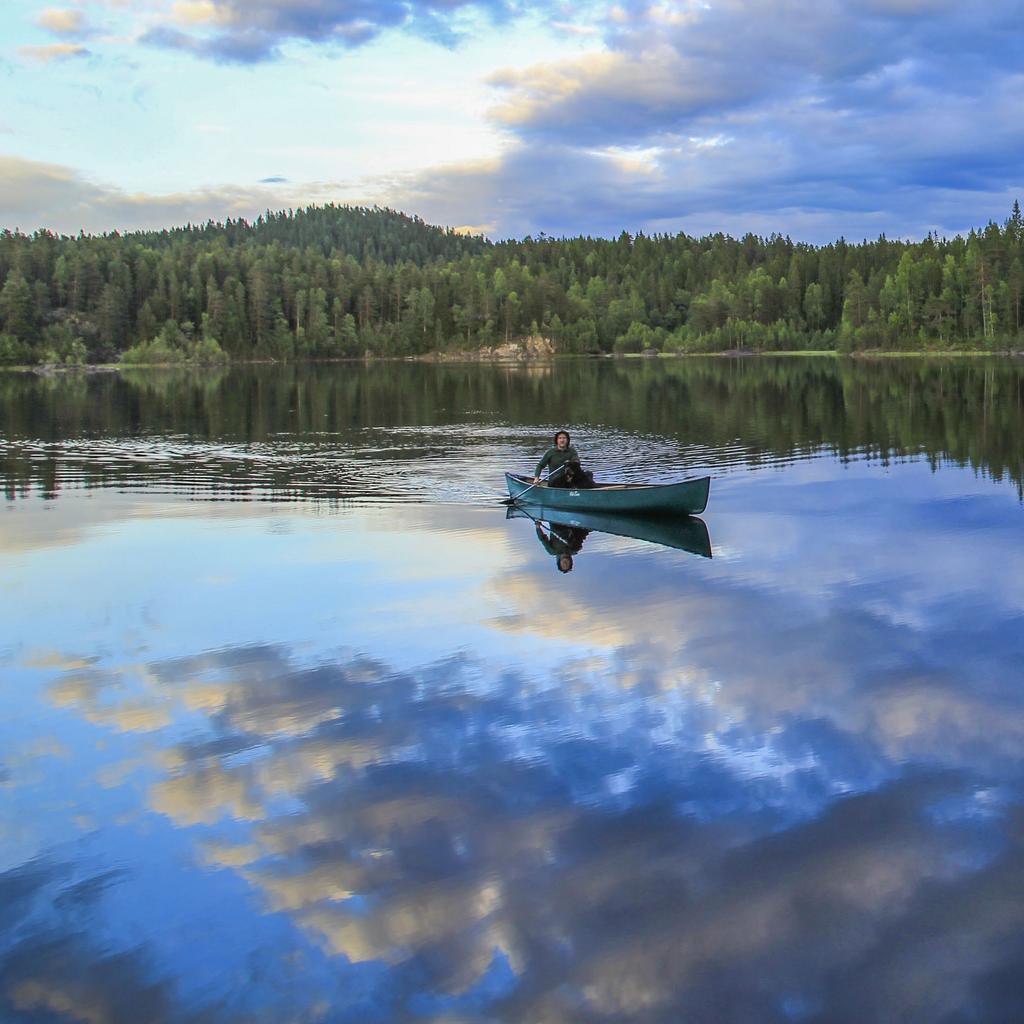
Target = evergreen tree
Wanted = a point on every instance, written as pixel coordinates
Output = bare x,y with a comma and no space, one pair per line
17,309
287,286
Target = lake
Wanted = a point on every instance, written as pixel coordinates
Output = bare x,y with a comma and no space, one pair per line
299,725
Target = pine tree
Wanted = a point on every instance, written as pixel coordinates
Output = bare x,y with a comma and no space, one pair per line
17,309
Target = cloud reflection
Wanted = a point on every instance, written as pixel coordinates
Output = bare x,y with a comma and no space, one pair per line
469,831
51,970
753,789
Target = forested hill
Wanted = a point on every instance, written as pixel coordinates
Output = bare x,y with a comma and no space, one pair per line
339,281
357,231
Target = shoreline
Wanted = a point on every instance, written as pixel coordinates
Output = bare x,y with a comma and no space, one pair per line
462,358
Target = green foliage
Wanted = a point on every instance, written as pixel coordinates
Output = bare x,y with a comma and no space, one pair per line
17,309
61,345
175,345
208,352
339,282
167,347
14,352
152,353
639,337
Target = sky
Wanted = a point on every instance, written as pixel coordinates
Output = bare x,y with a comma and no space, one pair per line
811,118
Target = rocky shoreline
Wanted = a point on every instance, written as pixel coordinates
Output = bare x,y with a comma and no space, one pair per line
535,348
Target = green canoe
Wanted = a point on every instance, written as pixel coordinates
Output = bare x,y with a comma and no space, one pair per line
685,533
690,497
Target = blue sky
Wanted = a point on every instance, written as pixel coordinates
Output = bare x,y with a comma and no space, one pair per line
813,119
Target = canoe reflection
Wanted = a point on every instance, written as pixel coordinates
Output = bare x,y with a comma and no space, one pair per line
562,532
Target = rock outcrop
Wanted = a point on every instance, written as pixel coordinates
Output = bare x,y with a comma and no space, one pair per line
532,347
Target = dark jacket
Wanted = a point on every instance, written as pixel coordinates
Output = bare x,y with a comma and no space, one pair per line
555,458
563,540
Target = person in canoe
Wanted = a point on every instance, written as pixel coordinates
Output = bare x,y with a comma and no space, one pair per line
563,465
562,543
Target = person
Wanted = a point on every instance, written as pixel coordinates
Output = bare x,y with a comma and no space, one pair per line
562,543
563,464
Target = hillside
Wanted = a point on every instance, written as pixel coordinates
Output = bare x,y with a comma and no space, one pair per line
340,281
357,231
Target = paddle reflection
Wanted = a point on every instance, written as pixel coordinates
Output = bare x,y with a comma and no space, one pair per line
562,542
562,533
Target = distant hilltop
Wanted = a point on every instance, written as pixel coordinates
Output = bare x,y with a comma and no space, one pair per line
340,281
362,232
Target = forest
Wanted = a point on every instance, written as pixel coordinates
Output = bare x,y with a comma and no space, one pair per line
341,282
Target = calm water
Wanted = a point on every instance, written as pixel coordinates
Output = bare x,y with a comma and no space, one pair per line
297,726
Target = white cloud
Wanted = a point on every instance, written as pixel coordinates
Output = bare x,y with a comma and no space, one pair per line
52,52
810,119
64,21
38,195
253,31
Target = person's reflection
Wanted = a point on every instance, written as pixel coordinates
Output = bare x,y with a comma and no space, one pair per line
562,542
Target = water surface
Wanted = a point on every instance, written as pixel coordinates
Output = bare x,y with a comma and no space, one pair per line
298,726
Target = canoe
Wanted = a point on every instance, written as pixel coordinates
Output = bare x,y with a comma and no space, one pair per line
685,533
690,497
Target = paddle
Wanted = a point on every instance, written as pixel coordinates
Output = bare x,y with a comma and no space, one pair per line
550,526
551,476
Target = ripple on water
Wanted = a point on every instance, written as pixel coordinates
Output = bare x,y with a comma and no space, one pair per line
456,463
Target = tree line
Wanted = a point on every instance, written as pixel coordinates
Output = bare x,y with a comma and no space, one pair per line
336,281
